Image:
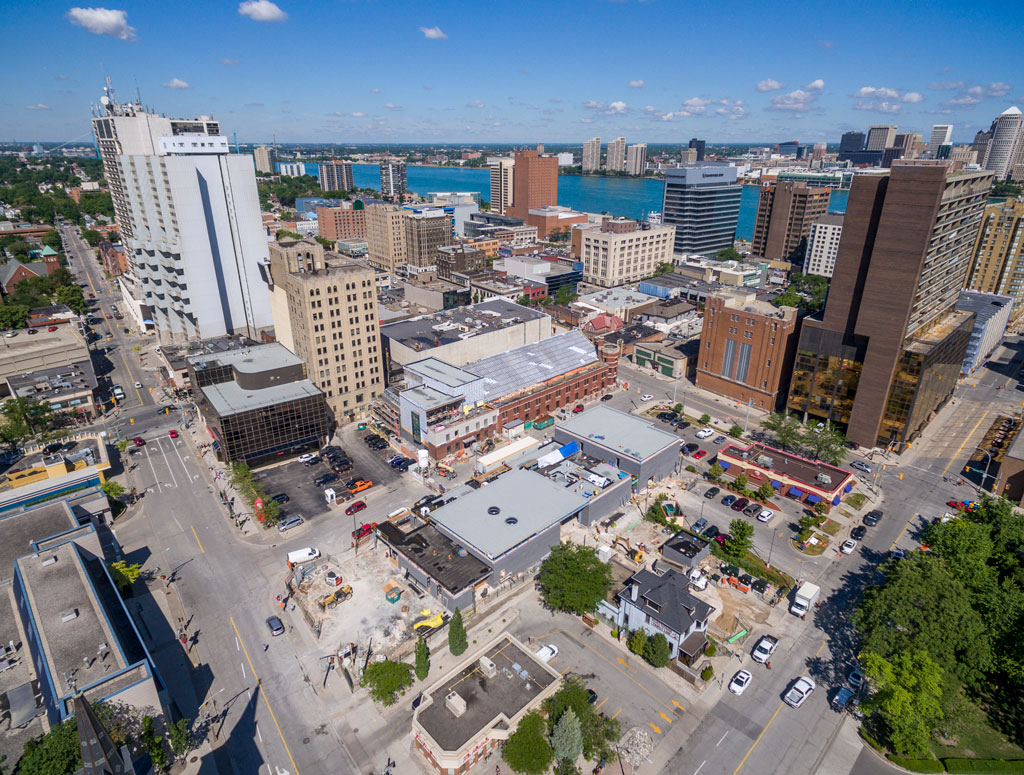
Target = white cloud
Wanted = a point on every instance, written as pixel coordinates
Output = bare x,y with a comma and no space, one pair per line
474,104
62,77
912,96
262,11
973,95
586,120
175,83
883,92
798,101
593,105
102,21
38,106
878,107
374,90
816,85
616,108
695,106
732,110
768,84
433,33
999,89
391,106
229,62
946,85
638,84
358,114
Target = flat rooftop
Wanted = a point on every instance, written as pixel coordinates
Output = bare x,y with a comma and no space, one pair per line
527,503
793,466
437,555
229,398
428,398
613,298
50,383
249,359
447,326
445,373
520,680
984,305
624,434
20,530
178,354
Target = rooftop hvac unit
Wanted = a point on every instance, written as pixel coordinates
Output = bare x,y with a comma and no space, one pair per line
764,461
49,560
455,704
69,615
824,478
487,667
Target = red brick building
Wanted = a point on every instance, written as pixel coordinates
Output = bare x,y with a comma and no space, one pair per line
335,223
535,182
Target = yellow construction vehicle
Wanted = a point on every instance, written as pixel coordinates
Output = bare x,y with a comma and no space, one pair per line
635,555
331,600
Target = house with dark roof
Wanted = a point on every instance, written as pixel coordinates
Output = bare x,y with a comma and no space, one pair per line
14,271
664,604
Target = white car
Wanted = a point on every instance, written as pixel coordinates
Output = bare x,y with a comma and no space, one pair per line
546,653
740,682
703,433
647,397
848,546
308,457
765,648
861,466
138,385
799,691
765,516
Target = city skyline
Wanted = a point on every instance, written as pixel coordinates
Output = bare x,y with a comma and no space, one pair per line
426,90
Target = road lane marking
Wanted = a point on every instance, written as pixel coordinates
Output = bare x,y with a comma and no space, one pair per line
662,714
721,739
242,665
772,719
237,646
159,443
256,724
266,699
131,376
655,727
155,477
201,549
696,771
963,443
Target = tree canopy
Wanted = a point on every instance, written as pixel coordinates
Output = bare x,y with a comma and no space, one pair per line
572,578
386,680
527,750
599,732
906,693
741,538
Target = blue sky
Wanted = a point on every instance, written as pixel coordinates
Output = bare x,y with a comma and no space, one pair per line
379,71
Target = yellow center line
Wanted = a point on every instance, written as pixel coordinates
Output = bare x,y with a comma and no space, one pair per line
263,693
963,443
201,549
772,719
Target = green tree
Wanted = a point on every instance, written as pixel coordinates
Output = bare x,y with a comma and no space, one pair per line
112,489
386,680
638,642
784,428
765,491
567,737
678,409
657,651
457,641
736,431
826,441
527,750
13,316
715,471
153,744
742,533
124,575
663,267
72,296
705,418
566,295
573,579
741,482
526,301
599,731
906,694
24,419
180,736
94,238
422,659
121,444
788,298
728,254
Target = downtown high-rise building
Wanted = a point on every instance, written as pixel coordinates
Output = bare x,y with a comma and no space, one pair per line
942,134
887,351
703,202
698,146
502,177
336,176
880,137
785,212
615,157
997,265
1006,146
534,182
265,158
636,159
851,142
393,182
592,155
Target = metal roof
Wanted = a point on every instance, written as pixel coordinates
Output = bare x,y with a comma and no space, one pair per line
533,364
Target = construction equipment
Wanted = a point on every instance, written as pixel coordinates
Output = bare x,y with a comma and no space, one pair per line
337,596
446,471
635,555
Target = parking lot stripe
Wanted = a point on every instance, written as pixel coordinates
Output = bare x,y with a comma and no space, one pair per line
566,670
617,713
602,702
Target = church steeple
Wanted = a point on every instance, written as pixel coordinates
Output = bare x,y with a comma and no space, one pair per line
99,754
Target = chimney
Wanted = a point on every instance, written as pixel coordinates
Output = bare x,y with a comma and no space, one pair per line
634,591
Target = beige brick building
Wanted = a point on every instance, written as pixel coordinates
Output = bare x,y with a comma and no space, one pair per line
997,265
385,236
622,252
325,311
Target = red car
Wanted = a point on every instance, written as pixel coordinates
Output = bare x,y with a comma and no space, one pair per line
355,508
577,409
700,453
107,315
139,441
52,328
365,530
172,433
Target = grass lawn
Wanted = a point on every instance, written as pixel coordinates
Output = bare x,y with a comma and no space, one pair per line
975,739
811,550
856,500
830,526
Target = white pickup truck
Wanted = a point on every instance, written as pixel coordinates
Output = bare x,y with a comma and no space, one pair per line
765,648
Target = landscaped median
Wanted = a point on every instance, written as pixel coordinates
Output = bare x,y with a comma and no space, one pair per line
976,766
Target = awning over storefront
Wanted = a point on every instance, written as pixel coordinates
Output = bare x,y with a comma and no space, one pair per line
835,501
723,463
811,498
776,485
848,487
795,493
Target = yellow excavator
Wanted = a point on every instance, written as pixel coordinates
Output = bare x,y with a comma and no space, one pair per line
339,595
635,555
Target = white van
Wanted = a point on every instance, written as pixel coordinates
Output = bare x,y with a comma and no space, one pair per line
546,653
300,556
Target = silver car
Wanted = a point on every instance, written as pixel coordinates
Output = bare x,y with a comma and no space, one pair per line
799,691
290,522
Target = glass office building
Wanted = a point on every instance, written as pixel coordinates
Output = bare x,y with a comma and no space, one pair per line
703,202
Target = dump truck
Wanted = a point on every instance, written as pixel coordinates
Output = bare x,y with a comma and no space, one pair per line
331,600
806,595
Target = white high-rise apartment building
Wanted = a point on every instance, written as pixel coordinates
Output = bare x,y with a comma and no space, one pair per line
823,245
392,179
502,178
942,134
615,159
198,243
265,158
592,155
293,169
636,159
880,138
1007,143
565,159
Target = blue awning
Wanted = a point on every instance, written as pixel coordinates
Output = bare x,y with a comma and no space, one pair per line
812,498
794,492
776,485
848,487
835,501
723,463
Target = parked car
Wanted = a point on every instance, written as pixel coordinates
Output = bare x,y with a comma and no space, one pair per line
860,465
591,697
897,554
138,385
719,439
309,457
699,525
289,523
700,453
667,416
856,677
680,424
740,682
647,397
172,433
355,508
711,493
51,329
799,691
275,626
547,653
364,530
577,409
721,538
740,504
728,500
370,437
752,510
704,433
397,456
688,449
359,485
331,448
281,498
765,515
320,481
341,466
607,397
872,518
858,532
847,546
710,532
765,648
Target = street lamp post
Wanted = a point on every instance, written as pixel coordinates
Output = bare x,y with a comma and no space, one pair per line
750,402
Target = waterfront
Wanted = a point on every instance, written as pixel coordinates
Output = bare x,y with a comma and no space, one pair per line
629,197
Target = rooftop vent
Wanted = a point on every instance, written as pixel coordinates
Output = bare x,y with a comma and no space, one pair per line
455,704
67,616
487,667
493,510
49,560
511,521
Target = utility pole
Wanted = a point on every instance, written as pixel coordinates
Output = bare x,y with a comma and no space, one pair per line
750,403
